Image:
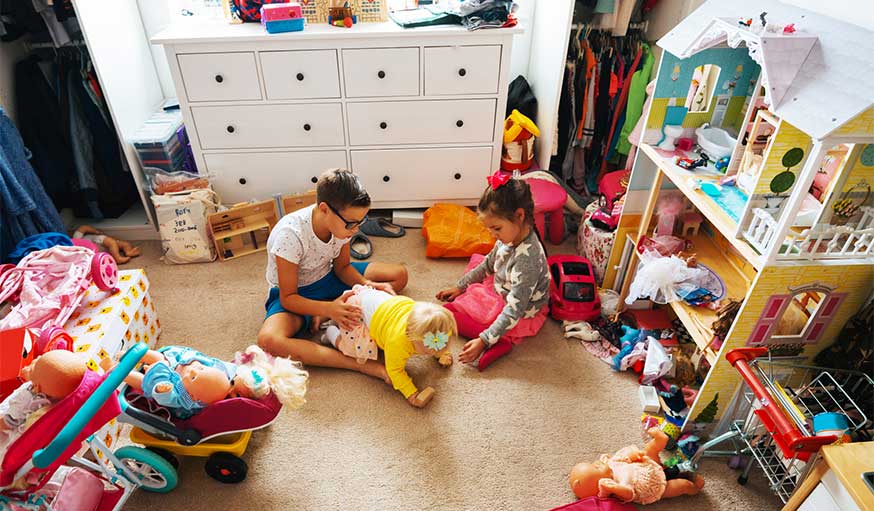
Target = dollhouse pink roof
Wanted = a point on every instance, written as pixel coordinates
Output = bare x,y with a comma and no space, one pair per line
818,78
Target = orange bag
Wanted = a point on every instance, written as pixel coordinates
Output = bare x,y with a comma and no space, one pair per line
451,230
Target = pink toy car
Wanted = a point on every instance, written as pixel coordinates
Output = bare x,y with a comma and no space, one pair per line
573,293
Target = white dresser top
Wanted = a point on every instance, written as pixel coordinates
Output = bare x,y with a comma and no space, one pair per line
219,31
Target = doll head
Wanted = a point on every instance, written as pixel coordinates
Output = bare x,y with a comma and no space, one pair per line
429,327
585,476
205,384
259,374
56,373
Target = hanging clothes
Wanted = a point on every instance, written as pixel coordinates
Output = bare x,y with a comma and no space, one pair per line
636,97
619,112
24,206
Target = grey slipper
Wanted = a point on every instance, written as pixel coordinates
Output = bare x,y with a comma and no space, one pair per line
359,239
381,227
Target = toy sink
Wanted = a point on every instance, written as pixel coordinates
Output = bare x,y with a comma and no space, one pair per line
716,142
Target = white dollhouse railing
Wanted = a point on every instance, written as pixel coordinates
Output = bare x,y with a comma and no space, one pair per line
822,241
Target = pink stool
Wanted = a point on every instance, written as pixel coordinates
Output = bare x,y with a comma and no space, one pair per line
549,199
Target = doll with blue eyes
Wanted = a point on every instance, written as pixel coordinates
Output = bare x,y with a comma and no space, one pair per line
185,381
401,328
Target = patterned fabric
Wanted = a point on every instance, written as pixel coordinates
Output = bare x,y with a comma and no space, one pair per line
594,244
250,10
521,279
293,239
646,477
357,343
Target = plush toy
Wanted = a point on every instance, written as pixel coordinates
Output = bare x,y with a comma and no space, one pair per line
186,381
50,378
634,475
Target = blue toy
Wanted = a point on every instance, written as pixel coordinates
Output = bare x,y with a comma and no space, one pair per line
629,338
721,164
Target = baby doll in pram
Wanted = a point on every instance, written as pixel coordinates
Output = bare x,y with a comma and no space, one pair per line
187,403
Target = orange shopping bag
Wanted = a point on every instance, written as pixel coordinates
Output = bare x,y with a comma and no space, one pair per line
451,230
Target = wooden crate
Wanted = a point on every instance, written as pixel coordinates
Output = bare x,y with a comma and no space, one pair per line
243,229
291,203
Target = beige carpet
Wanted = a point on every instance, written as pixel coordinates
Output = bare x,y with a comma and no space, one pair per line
504,439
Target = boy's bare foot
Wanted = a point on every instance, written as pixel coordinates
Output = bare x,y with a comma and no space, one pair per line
375,369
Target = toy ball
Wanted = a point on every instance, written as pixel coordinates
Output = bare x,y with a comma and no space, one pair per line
347,22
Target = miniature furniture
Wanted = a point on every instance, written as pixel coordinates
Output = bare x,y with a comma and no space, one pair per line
417,114
549,199
243,229
691,223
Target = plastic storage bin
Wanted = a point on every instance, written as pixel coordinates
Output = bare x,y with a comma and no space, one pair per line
157,143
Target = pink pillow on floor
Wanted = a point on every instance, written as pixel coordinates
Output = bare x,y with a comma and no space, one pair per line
80,491
597,504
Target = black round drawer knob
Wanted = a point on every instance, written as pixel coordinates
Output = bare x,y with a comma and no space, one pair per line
457,175
230,129
306,127
381,74
386,179
459,123
383,125
314,179
242,180
462,72
299,77
219,78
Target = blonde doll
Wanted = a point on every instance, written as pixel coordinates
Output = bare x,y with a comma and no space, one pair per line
401,328
185,381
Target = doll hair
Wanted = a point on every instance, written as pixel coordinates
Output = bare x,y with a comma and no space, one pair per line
504,199
427,317
261,373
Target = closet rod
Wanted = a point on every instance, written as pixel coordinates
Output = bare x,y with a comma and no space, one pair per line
49,44
642,25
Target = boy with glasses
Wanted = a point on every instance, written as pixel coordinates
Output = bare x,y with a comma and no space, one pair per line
309,270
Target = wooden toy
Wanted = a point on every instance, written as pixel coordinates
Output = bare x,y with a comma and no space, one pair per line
794,269
243,229
292,203
424,397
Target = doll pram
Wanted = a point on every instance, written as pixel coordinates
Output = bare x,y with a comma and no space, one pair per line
49,285
220,432
56,437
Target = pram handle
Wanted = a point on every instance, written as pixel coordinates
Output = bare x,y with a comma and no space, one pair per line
183,436
42,458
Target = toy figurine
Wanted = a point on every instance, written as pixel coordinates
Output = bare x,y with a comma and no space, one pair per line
634,475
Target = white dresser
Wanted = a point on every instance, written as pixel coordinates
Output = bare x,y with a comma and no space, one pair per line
416,113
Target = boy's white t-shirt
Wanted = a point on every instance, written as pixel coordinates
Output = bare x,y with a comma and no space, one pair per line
294,240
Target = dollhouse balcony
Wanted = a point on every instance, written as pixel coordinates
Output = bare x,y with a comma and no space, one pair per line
820,242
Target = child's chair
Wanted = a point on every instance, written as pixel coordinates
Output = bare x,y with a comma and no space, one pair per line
549,199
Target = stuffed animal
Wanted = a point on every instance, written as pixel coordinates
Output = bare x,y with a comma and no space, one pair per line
634,475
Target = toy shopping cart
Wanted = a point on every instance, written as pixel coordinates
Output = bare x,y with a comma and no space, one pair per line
56,437
782,399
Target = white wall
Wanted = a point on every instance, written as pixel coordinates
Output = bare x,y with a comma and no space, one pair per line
156,16
522,42
10,53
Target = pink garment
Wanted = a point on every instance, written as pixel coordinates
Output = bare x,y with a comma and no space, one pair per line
82,242
479,306
645,477
356,343
51,284
636,136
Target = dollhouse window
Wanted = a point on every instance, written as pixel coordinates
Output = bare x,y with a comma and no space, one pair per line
799,317
704,80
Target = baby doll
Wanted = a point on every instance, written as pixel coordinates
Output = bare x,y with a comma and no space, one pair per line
400,327
50,378
120,250
185,381
634,475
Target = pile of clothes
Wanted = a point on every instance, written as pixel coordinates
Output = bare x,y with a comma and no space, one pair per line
477,14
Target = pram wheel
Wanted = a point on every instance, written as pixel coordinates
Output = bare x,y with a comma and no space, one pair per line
104,271
226,468
167,455
742,480
153,473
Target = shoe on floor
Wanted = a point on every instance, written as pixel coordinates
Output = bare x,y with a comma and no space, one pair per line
381,227
360,246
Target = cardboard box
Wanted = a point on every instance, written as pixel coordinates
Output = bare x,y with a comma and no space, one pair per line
105,325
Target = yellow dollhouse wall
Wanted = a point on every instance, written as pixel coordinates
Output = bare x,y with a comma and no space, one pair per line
862,124
854,281
787,137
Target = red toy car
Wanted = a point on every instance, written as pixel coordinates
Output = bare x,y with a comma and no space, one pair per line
573,293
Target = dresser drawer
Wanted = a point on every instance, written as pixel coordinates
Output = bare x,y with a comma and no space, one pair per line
423,174
225,127
301,74
462,70
220,76
239,177
421,122
381,72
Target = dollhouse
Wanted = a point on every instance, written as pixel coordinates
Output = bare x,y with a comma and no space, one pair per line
779,110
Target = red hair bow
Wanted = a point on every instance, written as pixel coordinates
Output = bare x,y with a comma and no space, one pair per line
498,179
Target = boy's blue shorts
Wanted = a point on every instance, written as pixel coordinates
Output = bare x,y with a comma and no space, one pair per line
327,288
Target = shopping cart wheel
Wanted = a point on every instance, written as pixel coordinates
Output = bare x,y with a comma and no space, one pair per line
153,473
104,271
742,480
226,468
167,455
